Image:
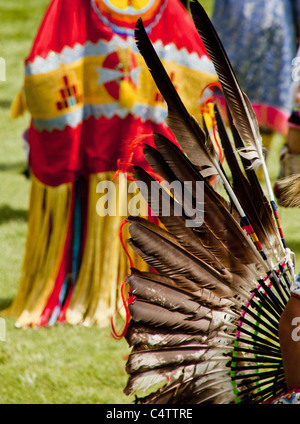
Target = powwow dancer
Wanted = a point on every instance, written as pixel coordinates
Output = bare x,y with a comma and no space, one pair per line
89,95
218,319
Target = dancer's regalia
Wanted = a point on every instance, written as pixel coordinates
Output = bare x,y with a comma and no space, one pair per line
213,322
90,95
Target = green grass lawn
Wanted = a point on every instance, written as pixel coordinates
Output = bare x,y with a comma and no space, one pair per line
64,364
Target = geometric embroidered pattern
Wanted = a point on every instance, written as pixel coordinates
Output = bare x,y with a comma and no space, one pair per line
68,94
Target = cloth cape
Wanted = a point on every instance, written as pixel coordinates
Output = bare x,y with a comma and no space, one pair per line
90,97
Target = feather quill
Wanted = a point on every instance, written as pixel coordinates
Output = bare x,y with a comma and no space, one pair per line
246,193
216,210
186,129
203,295
189,135
146,335
237,101
176,224
218,234
240,107
265,211
172,260
166,296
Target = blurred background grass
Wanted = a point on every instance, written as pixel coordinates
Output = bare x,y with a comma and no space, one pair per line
63,364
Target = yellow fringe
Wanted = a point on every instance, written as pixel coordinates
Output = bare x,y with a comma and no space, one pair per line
49,215
104,265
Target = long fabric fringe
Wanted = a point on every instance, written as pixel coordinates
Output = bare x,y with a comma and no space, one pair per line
74,263
48,222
